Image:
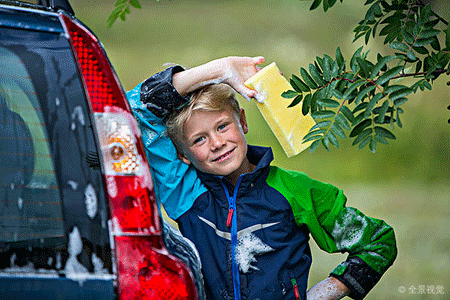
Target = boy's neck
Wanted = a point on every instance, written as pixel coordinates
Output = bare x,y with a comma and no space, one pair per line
246,167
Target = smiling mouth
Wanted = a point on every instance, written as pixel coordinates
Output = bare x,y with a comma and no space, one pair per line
223,157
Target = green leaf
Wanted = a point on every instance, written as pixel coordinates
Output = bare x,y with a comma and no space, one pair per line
360,106
325,5
373,146
411,55
362,135
399,123
322,124
296,100
315,4
435,45
423,42
353,60
316,75
328,102
393,88
347,113
337,94
364,66
306,104
339,57
372,104
308,80
447,37
326,142
360,127
327,68
383,110
388,75
409,38
352,87
335,69
364,142
379,65
323,114
332,2
428,33
384,132
289,94
123,15
399,46
314,97
342,121
135,4
113,16
298,84
364,93
380,139
120,3
314,146
312,138
400,101
314,135
337,129
400,93
333,139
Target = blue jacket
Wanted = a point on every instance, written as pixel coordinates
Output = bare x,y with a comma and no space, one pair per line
264,254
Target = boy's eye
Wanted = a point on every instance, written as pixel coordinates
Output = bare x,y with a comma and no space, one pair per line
222,126
198,140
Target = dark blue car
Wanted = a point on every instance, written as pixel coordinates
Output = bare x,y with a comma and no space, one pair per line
78,215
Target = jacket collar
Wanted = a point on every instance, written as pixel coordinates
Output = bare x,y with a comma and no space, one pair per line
259,156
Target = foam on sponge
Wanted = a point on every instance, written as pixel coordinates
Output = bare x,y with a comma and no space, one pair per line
288,124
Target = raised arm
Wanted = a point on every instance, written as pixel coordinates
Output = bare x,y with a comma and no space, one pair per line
177,184
232,70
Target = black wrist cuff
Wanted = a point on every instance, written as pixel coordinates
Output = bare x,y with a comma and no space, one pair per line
359,277
159,94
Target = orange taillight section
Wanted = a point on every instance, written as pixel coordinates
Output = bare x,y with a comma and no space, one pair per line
145,268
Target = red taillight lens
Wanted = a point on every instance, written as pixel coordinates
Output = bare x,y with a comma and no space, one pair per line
160,276
145,269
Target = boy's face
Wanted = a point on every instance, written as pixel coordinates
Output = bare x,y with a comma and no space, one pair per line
214,143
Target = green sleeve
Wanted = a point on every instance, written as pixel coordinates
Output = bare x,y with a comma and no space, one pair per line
337,228
368,238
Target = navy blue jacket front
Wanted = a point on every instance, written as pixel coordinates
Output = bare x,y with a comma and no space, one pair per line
270,249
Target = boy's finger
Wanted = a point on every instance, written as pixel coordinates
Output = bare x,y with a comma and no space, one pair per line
247,93
259,59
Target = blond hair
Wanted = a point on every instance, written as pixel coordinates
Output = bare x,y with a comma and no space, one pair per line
215,97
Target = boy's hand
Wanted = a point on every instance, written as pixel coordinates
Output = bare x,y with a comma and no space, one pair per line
328,289
237,70
232,70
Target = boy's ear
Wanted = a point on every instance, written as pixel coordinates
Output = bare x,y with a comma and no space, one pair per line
243,121
183,158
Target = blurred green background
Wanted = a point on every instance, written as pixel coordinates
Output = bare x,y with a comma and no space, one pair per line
405,183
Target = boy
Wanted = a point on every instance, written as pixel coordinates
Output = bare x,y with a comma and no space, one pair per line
250,221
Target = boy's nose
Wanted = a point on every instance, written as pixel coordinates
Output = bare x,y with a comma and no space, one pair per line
217,142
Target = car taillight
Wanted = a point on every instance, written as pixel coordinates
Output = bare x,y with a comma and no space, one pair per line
145,268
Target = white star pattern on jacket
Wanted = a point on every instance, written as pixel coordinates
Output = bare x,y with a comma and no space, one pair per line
248,246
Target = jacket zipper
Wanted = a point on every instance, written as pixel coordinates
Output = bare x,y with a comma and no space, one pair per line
296,293
232,221
230,216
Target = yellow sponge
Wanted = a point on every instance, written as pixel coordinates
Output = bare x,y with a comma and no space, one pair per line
288,124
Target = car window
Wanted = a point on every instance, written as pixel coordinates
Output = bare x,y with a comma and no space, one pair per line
53,213
31,206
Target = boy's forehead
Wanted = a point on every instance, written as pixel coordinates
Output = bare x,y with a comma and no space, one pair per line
204,118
